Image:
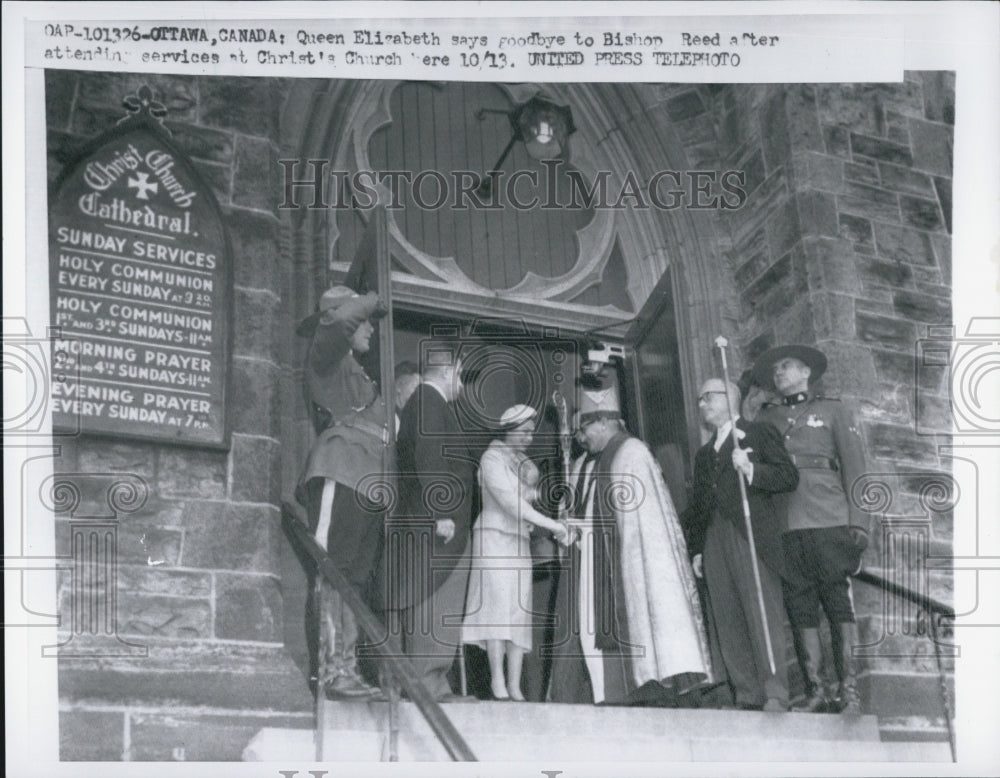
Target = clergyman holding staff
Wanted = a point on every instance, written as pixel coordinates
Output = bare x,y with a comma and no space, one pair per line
722,550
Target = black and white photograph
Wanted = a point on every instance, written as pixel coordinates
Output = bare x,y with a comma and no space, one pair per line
588,421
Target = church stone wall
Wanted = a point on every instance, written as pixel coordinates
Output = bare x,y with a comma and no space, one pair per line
199,563
845,243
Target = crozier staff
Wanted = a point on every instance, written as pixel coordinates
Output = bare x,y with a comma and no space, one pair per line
348,414
730,528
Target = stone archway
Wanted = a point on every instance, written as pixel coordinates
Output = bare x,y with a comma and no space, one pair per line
620,128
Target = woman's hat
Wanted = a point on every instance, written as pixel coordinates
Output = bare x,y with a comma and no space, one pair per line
813,358
516,415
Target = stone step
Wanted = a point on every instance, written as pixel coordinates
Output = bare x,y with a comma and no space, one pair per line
273,744
502,731
590,721
359,743
911,728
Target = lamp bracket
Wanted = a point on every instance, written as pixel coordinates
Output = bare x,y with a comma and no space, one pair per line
481,113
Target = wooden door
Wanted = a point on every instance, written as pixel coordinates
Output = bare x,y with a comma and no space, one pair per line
653,389
371,272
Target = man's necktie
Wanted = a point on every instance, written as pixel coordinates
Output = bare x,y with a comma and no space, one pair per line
580,491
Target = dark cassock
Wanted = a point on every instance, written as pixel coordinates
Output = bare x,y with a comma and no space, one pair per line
717,532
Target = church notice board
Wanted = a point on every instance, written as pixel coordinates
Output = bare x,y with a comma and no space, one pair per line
140,286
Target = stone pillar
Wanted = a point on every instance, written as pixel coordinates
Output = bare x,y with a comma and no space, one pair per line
845,244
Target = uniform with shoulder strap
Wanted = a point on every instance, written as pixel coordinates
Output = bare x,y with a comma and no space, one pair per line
826,532
348,414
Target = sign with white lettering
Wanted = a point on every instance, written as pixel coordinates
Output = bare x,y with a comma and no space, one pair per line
140,285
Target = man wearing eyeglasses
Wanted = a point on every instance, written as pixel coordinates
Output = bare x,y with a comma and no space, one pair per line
632,632
720,548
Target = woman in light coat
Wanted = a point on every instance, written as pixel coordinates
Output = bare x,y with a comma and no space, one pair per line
498,609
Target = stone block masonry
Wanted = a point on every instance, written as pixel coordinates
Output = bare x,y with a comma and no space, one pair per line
858,190
198,566
844,242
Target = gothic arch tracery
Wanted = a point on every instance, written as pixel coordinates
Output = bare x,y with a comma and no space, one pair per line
332,120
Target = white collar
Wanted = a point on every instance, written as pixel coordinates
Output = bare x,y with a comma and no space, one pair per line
722,433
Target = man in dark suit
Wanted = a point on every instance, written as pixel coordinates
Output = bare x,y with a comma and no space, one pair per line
717,538
428,539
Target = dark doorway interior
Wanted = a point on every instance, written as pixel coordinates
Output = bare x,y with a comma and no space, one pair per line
505,362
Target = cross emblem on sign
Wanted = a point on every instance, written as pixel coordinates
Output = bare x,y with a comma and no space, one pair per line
143,184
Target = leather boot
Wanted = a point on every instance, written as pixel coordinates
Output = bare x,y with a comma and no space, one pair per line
815,701
352,634
832,669
342,678
849,696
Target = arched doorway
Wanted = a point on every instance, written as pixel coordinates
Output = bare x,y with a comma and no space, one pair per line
574,271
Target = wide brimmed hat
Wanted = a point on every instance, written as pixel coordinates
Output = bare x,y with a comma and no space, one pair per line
599,404
517,415
335,297
746,382
813,358
332,299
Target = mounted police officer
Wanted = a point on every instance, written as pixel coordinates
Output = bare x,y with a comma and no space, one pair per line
827,533
349,416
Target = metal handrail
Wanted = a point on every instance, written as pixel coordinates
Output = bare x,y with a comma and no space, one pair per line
937,610
924,601
293,519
